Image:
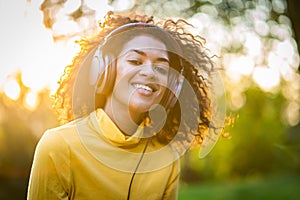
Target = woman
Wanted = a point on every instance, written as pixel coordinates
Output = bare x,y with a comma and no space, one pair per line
132,103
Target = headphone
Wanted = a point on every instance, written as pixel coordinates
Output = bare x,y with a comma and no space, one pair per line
103,66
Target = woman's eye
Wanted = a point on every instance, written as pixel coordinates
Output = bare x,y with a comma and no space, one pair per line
161,69
135,62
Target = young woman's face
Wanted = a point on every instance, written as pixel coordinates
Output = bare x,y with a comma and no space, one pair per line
142,75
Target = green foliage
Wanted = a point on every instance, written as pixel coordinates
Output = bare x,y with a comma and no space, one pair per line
275,188
256,134
258,145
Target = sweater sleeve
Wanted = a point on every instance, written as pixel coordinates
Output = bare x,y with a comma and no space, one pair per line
50,174
171,192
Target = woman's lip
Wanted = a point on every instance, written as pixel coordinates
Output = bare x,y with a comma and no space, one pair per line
144,92
142,86
144,89
151,86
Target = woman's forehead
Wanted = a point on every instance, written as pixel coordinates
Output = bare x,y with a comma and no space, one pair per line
144,43
132,36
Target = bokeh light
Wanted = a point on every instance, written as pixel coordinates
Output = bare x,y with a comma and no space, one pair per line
31,100
12,89
251,43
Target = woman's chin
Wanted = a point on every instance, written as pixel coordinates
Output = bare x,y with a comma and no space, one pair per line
141,107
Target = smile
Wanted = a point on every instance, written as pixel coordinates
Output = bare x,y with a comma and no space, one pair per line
144,87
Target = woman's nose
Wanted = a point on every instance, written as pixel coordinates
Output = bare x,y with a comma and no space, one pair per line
147,70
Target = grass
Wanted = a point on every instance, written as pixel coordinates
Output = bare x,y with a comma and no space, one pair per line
285,187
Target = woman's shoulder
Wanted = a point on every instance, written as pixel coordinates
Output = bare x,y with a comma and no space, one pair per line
59,137
67,129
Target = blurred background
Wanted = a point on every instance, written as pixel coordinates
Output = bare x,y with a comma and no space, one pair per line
256,43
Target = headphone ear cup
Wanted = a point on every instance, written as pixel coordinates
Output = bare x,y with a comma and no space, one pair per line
170,98
107,77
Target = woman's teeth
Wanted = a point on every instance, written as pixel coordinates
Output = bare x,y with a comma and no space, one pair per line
145,87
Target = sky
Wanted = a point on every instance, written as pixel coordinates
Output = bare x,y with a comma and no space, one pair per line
27,47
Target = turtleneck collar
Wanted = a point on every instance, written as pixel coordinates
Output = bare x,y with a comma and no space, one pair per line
105,142
109,129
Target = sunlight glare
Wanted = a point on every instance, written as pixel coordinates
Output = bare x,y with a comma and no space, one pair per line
123,5
243,65
36,83
31,50
253,45
70,6
236,66
277,62
285,49
230,69
12,89
65,26
266,78
199,20
31,100
101,7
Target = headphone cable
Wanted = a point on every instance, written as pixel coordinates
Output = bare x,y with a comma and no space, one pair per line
136,168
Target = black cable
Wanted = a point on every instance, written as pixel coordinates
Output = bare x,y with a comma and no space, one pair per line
136,168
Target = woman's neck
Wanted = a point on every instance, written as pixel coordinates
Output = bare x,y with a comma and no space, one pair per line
122,117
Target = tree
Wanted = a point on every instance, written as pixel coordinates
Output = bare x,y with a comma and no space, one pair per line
293,13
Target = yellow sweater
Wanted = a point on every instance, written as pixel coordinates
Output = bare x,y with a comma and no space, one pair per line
90,158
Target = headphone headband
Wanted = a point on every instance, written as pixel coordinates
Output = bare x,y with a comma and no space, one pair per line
149,29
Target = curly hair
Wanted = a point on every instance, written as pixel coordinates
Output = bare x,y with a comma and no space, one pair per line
196,62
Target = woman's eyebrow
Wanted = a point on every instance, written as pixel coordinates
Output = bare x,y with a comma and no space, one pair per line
161,59
142,53
139,52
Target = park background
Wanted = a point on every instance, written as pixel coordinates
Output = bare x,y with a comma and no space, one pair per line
255,43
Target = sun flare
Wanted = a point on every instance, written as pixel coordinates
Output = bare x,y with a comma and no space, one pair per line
40,58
